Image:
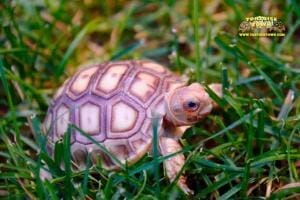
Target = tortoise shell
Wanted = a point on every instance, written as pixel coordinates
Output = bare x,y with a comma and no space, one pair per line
114,103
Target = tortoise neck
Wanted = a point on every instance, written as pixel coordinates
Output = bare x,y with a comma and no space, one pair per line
171,130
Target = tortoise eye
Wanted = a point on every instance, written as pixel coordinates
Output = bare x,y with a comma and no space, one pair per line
191,105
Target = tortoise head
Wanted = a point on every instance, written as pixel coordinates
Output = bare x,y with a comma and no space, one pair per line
188,105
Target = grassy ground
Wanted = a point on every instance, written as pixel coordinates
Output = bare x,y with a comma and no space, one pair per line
249,149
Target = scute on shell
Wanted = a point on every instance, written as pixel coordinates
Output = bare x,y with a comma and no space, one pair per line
114,103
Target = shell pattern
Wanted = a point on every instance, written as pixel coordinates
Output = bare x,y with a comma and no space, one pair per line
112,102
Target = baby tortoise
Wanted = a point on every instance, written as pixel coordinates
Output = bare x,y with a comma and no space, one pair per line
116,102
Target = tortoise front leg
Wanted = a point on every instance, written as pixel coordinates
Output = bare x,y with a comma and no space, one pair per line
174,164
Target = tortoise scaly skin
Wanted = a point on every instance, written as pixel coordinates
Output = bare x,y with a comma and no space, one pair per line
115,104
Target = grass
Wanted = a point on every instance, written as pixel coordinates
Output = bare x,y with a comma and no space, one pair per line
247,149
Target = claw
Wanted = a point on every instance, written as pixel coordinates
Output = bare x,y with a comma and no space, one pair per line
183,186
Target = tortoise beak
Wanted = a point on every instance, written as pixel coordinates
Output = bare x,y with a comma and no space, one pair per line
205,111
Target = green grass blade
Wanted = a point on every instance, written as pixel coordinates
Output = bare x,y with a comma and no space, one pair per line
58,156
51,190
270,156
67,164
155,151
127,50
136,197
216,185
88,28
86,175
245,182
10,101
225,82
231,192
11,50
216,166
41,139
274,87
197,39
292,168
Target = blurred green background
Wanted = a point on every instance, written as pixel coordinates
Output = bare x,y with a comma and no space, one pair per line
249,148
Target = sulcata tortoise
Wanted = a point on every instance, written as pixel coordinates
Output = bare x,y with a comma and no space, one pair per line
116,102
